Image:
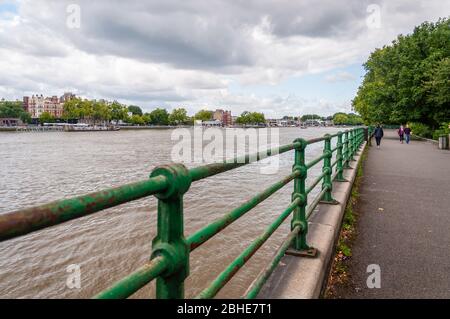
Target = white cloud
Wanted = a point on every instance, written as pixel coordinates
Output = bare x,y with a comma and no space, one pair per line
188,52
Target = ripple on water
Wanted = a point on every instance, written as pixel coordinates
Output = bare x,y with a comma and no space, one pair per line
40,167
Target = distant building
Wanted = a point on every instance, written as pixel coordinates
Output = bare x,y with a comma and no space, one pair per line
223,116
67,96
38,104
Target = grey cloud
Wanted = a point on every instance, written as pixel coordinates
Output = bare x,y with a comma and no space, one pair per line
162,51
195,34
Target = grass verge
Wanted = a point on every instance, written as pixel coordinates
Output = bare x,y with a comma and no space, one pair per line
339,274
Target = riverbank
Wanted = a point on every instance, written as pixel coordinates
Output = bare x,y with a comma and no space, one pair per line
338,277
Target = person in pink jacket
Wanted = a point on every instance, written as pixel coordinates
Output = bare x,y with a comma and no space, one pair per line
401,133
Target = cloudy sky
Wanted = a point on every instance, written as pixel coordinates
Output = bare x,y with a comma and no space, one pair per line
283,57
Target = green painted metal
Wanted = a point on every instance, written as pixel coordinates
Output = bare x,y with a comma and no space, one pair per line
346,150
25,221
315,161
169,241
135,281
240,261
299,217
315,182
169,262
201,236
314,203
259,282
328,171
351,145
340,159
205,171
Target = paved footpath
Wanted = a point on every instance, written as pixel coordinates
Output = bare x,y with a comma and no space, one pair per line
404,223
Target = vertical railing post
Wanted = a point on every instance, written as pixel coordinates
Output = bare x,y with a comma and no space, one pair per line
340,159
170,241
346,150
300,246
361,137
352,145
358,134
327,170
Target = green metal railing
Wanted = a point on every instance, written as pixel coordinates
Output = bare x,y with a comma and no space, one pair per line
169,261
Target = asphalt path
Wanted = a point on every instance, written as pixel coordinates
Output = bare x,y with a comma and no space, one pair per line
404,223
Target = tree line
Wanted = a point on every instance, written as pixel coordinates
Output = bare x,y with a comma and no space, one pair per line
14,109
102,111
408,81
95,112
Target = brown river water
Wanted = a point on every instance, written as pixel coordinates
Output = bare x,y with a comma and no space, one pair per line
36,168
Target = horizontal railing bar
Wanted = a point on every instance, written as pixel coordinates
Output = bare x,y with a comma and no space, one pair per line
334,163
315,202
316,140
201,172
135,281
201,236
258,283
314,183
315,161
229,272
25,221
334,149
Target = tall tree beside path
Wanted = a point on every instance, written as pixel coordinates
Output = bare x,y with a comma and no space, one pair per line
409,80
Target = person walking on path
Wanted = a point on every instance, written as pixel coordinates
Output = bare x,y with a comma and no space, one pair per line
407,132
401,133
378,134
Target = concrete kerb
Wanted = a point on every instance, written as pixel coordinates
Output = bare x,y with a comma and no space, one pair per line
304,278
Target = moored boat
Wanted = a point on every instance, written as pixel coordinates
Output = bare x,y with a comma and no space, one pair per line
89,128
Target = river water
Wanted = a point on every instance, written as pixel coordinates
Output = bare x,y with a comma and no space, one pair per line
36,168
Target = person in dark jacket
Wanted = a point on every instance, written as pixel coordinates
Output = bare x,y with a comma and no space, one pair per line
407,131
378,134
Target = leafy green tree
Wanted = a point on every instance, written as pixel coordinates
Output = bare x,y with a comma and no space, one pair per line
310,117
409,80
86,110
46,117
119,112
354,119
160,117
135,110
25,117
147,118
100,112
204,115
178,116
137,120
340,119
251,118
71,109
11,109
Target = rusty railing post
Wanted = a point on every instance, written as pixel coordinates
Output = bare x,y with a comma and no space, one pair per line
170,241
